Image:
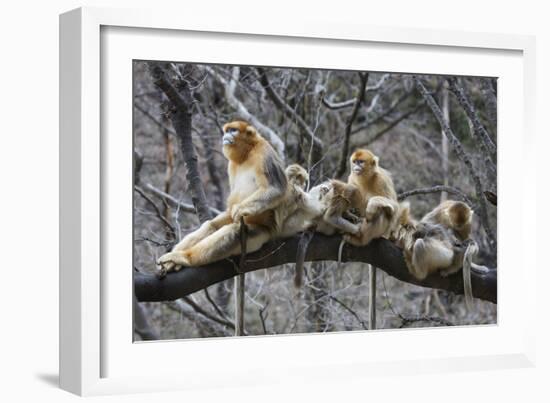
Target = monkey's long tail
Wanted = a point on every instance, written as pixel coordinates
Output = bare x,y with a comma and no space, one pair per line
471,252
340,250
303,244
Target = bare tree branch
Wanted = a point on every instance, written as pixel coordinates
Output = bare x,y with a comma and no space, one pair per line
380,252
484,139
390,126
436,189
181,98
173,202
264,130
289,112
342,164
206,325
197,308
153,119
351,102
462,156
159,214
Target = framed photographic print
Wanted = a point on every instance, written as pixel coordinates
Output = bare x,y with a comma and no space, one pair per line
260,196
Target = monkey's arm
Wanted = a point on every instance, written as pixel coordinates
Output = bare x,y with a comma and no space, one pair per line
341,223
261,200
351,217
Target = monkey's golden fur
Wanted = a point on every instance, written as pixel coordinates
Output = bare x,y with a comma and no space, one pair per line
379,200
299,210
328,208
455,215
343,206
436,243
430,248
258,184
441,243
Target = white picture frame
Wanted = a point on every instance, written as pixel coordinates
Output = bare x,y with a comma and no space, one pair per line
96,354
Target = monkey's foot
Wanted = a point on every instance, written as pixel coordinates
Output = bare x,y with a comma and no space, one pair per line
172,261
166,268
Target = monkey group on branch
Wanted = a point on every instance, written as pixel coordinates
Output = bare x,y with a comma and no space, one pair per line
273,202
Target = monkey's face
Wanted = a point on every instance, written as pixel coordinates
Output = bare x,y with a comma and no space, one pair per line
363,161
238,132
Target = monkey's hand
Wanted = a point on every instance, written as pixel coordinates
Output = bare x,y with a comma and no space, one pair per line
240,211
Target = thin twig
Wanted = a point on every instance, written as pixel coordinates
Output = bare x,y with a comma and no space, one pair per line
286,109
157,210
389,127
171,200
436,189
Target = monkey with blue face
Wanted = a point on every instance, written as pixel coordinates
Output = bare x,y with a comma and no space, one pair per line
379,205
257,186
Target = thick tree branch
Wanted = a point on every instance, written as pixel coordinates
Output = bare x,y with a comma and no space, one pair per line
181,99
342,164
381,253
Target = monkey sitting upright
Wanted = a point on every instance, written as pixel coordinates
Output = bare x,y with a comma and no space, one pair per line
258,185
382,210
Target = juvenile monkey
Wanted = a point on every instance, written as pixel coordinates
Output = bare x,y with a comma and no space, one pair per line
343,207
258,184
299,210
327,208
382,211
